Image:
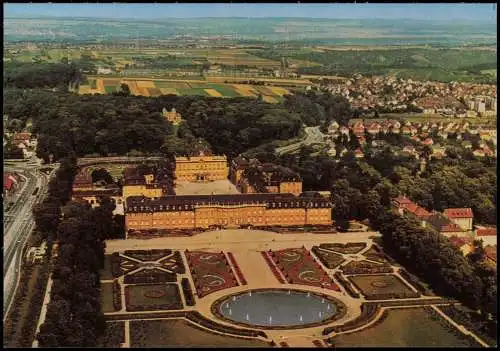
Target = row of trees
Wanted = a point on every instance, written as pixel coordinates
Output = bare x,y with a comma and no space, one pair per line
74,316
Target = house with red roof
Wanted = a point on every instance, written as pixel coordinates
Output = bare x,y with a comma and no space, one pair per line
359,154
428,141
358,129
373,128
443,225
478,153
464,244
9,182
491,254
461,216
487,234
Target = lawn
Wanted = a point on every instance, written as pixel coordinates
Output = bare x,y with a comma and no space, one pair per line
113,336
376,286
107,297
192,91
153,297
106,273
405,327
172,333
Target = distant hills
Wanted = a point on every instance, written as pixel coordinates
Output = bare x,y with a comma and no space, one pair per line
320,31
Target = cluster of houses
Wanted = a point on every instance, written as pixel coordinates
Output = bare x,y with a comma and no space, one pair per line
24,141
393,93
10,183
454,223
420,132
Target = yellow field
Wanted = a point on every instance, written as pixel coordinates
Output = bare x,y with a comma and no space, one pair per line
278,91
85,89
244,90
100,86
270,99
167,91
132,86
146,84
213,92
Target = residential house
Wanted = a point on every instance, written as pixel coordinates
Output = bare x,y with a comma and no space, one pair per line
362,140
444,225
359,154
438,151
358,129
478,153
428,141
464,244
491,255
461,216
373,129
487,234
344,130
406,130
10,182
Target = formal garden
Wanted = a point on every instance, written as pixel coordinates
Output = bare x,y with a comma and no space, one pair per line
382,286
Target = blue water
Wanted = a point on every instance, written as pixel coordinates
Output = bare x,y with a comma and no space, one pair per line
277,308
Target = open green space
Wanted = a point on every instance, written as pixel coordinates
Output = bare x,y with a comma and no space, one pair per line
178,333
406,327
107,297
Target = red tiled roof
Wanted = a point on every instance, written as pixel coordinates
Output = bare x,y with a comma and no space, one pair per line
491,252
7,181
421,212
486,232
402,200
458,213
458,241
22,136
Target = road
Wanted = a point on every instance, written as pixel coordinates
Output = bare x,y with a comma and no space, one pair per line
19,223
313,136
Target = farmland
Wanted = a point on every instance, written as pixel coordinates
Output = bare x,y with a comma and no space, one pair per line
150,87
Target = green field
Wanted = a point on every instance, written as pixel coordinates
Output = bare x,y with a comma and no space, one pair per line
180,333
406,327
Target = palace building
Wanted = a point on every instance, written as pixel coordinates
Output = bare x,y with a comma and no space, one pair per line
141,184
201,168
251,176
173,116
204,211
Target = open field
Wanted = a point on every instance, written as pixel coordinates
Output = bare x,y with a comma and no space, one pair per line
166,333
406,327
155,87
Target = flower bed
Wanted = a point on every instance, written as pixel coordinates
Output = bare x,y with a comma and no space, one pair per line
366,267
392,287
273,267
348,249
138,297
211,272
188,292
240,275
148,255
299,267
117,296
329,259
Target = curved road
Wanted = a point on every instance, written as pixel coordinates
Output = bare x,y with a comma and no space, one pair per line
18,225
313,136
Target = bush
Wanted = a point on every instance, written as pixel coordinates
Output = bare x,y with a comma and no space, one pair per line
346,284
368,312
188,292
117,296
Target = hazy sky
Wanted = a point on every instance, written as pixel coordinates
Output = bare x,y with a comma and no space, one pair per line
482,12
